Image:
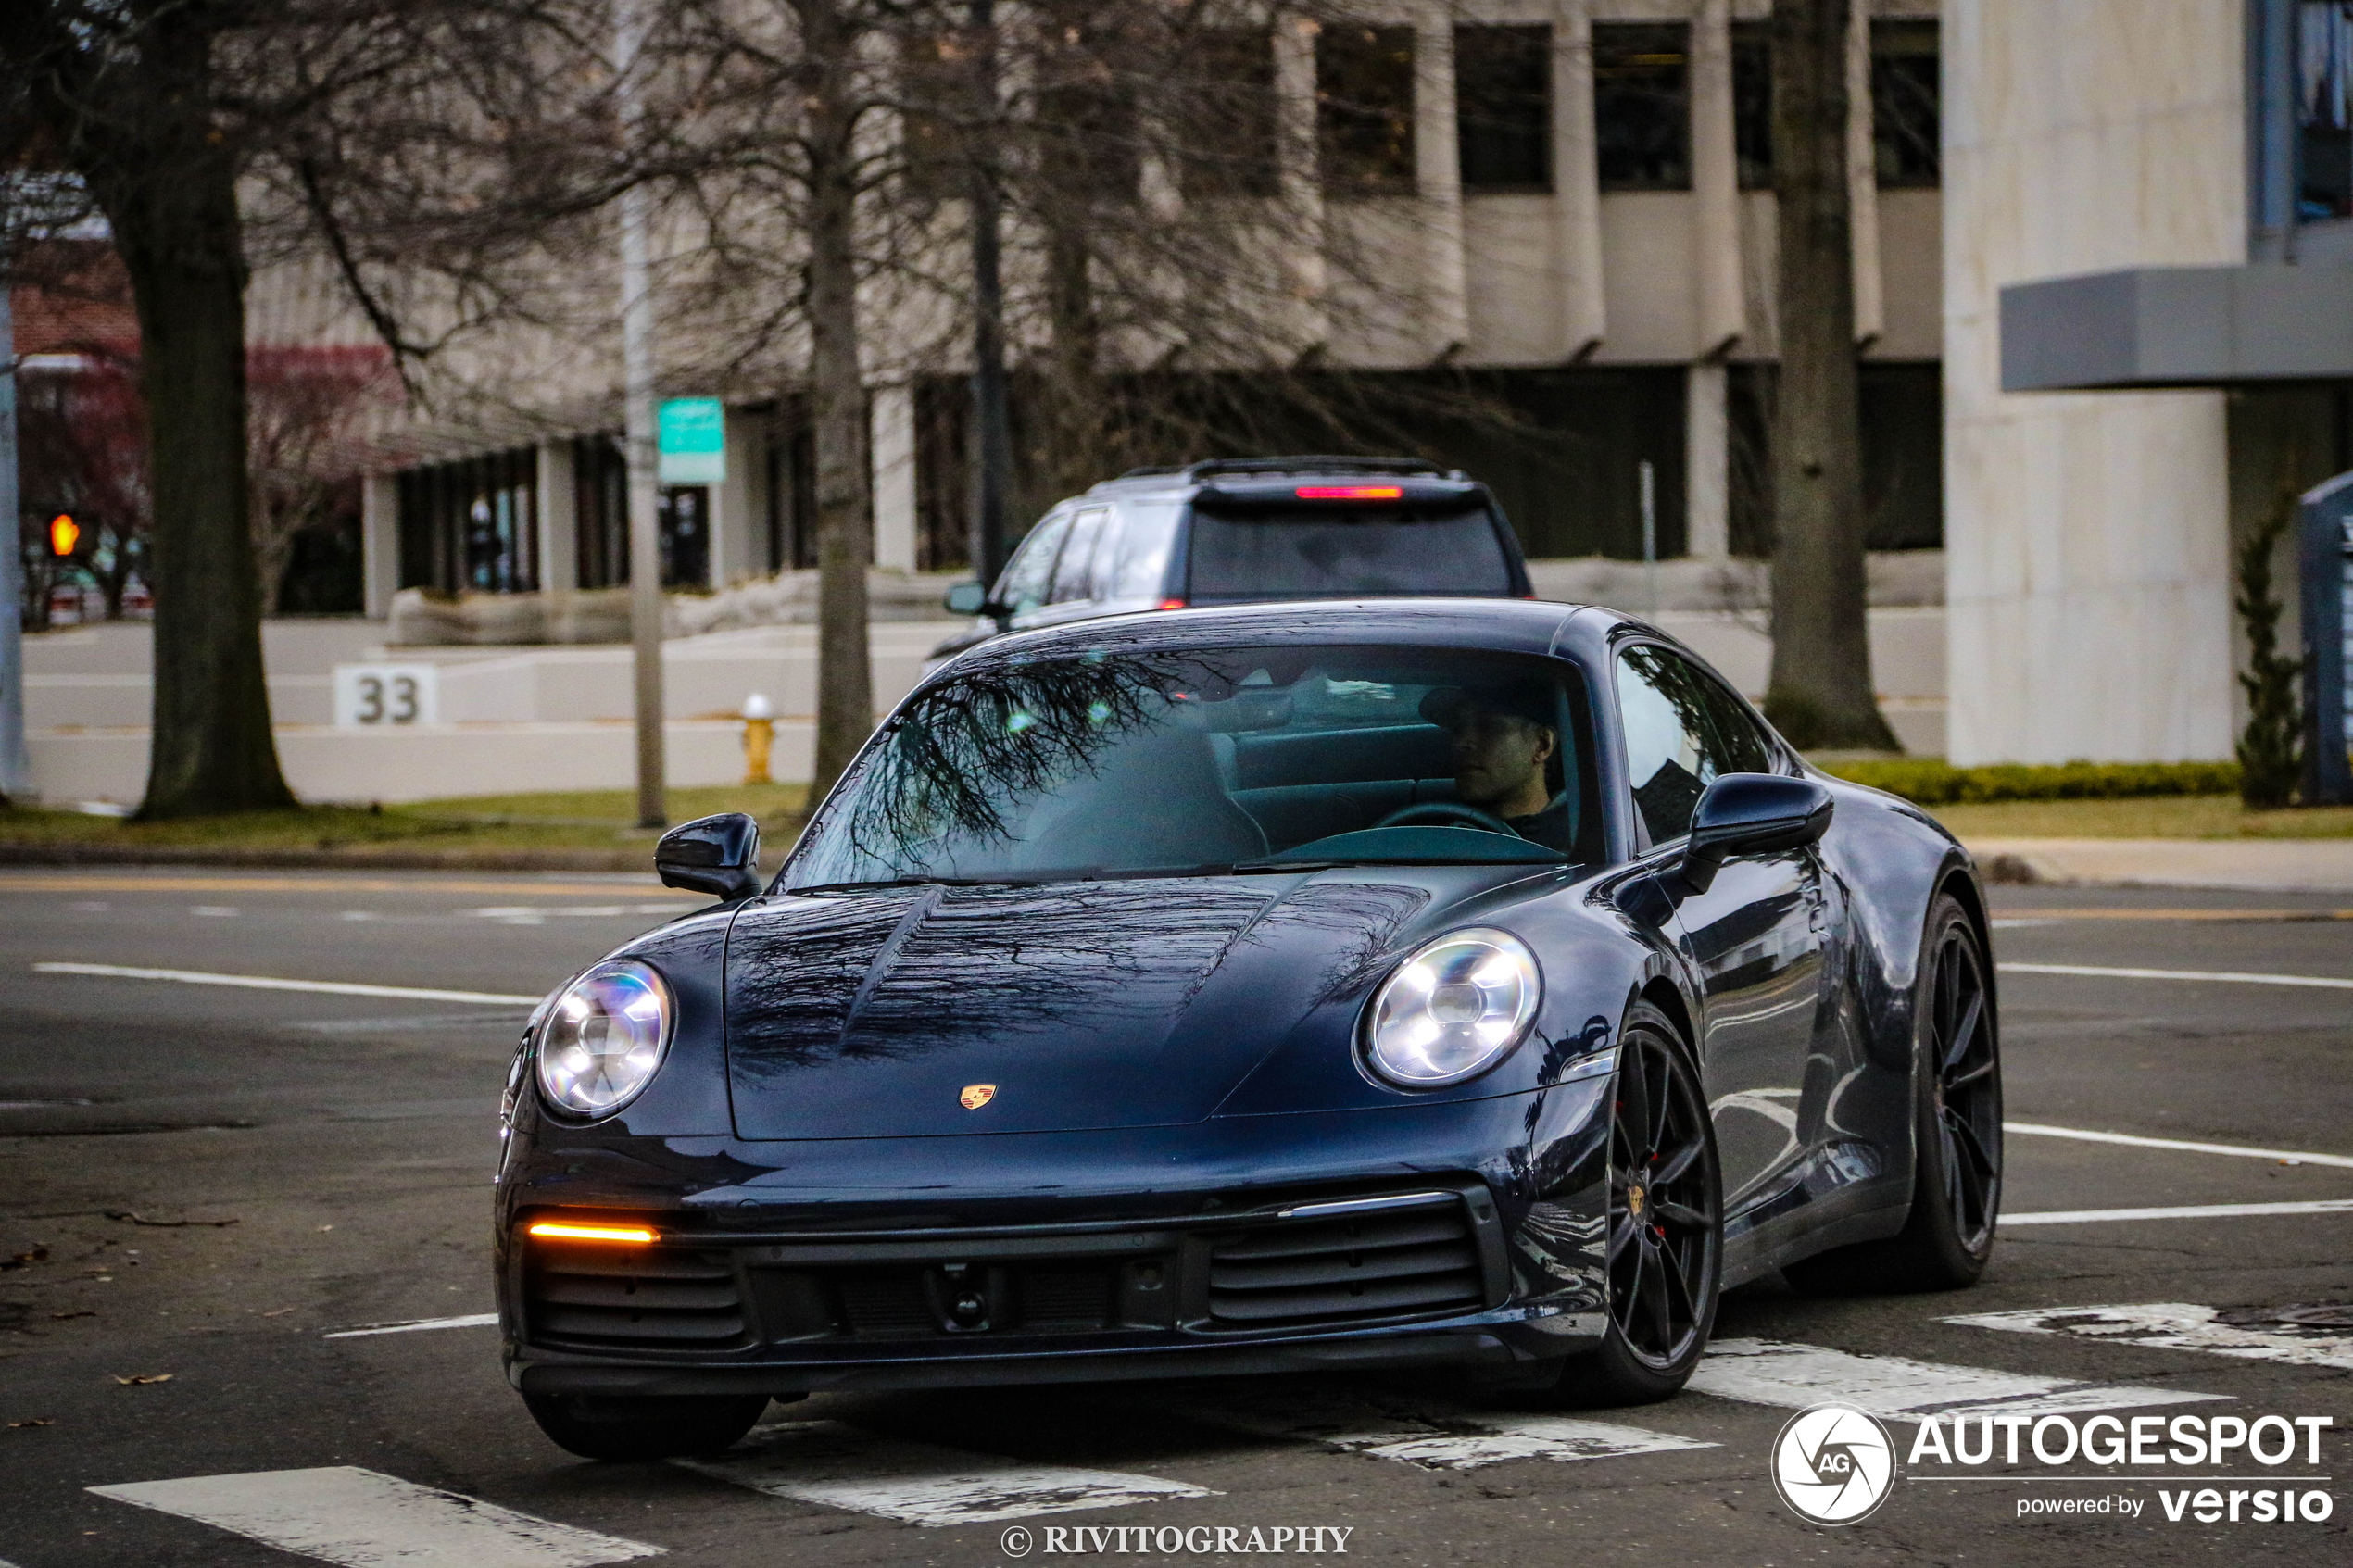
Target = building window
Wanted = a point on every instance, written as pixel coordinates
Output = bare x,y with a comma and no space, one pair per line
1752,104
1086,126
1365,109
1504,107
1230,136
684,514
1905,104
1641,105
2324,110
1901,405
471,526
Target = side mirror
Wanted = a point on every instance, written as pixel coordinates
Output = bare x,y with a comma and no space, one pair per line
1752,814
715,855
967,598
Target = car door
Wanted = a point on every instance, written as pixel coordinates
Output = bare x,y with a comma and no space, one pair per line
1757,936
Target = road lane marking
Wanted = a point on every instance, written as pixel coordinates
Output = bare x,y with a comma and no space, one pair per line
2253,915
2229,976
2177,1325
1421,1434
2131,1140
634,887
837,1466
365,1519
1768,1372
270,983
2186,1212
472,1320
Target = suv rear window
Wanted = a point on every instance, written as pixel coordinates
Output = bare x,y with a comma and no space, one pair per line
1276,552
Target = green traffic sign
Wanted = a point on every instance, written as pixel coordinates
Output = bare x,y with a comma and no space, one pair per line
693,440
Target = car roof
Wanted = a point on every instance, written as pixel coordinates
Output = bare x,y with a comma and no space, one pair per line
1191,477
1524,626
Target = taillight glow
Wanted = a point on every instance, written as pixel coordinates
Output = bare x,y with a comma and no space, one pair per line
1351,491
567,1231
1172,604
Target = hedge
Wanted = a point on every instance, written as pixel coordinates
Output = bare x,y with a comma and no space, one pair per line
1933,782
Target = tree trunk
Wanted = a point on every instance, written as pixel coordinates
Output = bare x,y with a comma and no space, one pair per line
1820,691
845,530
181,242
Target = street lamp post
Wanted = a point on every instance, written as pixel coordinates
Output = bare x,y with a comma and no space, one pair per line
14,766
638,351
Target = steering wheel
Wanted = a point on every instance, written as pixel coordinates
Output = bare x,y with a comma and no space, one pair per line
1447,814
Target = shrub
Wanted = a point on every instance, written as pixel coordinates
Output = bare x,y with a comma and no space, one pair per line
1933,782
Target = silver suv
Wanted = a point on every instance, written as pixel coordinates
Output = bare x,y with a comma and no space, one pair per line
1230,532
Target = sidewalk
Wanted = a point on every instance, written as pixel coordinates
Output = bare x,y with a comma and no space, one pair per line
2254,865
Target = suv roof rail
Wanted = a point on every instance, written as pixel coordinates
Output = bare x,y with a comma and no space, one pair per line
1293,465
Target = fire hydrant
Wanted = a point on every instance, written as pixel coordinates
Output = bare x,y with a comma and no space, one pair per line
760,734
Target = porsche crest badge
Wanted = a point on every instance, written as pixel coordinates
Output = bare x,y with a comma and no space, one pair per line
976,1094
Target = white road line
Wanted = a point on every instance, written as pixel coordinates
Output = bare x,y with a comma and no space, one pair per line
2187,1211
837,1466
365,1519
2178,1326
1766,1372
2235,977
1422,1433
2293,1157
268,983
472,1320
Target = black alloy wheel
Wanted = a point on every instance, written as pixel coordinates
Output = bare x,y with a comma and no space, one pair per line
1664,1245
1967,1093
1956,1136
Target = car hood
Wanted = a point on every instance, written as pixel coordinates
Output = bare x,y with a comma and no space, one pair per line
1081,1006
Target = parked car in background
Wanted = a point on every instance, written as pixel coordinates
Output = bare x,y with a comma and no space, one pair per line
1238,530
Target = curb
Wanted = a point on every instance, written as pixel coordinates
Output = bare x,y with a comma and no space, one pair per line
358,857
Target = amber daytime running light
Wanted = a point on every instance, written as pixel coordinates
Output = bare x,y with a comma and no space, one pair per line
565,1231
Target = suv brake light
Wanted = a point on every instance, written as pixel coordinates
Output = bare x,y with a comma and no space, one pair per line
1351,491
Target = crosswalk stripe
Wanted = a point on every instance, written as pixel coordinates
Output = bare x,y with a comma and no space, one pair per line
2176,1325
365,1519
837,1466
1766,1372
1424,1434
2186,1212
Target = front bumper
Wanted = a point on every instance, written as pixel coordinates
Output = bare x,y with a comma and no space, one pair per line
1356,1242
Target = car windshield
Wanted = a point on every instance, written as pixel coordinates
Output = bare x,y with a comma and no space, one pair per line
1118,764
1319,552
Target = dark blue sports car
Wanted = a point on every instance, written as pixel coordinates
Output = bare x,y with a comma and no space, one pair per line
1279,987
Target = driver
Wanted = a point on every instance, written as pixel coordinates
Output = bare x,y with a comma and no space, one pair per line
1506,750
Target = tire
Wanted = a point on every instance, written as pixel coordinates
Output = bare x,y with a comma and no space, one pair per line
1956,1130
643,1426
1665,1228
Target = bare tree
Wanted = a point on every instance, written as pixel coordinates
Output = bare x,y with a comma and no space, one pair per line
1819,693
306,409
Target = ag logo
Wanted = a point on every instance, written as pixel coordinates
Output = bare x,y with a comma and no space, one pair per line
1833,1464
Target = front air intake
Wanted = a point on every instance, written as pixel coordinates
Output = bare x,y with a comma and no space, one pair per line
1311,1269
650,1297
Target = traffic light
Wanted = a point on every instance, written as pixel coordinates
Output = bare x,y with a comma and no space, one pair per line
64,533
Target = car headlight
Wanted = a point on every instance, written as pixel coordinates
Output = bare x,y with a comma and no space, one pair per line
600,1042
1453,1008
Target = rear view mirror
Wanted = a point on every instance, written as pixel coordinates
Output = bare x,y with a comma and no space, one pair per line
967,598
715,855
1752,814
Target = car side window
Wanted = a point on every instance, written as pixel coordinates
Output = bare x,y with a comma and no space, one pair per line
1074,572
1024,586
1146,536
1682,731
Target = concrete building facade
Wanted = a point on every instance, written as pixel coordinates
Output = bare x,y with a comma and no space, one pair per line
1591,245
2148,283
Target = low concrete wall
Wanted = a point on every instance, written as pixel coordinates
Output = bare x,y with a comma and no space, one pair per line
427,761
601,615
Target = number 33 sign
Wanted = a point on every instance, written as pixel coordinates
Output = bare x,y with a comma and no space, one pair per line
368,695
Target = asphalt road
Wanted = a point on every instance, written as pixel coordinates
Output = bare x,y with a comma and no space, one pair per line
350,1139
